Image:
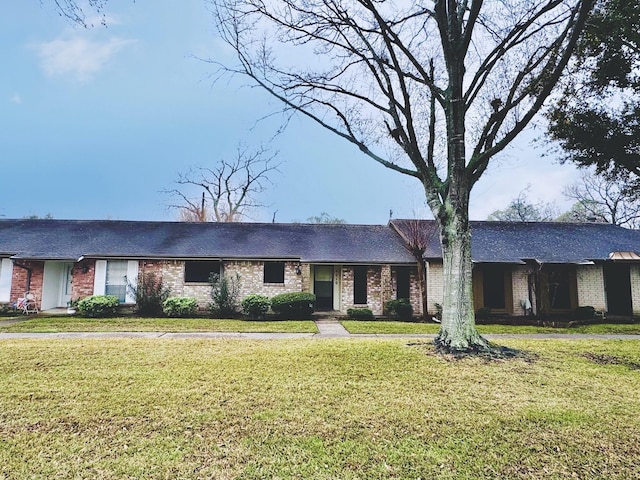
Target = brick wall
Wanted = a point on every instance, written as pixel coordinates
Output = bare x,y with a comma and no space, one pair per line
520,287
83,277
19,280
435,285
590,282
380,288
251,275
414,289
635,289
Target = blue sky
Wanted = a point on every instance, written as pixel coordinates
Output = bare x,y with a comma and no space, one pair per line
95,123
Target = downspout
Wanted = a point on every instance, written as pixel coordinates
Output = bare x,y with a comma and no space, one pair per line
28,274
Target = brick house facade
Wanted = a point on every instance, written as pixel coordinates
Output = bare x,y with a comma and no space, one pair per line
345,266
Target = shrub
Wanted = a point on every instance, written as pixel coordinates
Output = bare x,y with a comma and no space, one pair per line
150,294
584,313
483,313
400,308
98,306
360,313
295,305
255,306
224,295
180,307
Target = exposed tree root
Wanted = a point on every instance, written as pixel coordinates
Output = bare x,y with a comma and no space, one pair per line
485,351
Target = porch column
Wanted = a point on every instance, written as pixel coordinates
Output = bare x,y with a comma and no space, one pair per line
386,287
306,277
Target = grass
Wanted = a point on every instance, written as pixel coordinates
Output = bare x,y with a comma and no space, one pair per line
54,324
348,409
410,328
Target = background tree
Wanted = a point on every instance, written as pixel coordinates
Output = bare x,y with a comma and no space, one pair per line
601,199
433,90
228,191
417,236
597,118
326,219
522,210
75,12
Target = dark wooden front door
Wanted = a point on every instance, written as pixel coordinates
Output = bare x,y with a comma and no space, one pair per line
617,280
323,286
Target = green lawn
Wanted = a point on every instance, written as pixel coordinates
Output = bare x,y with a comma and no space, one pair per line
409,328
133,324
331,409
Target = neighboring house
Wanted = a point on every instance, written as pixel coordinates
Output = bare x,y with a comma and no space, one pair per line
546,267
343,265
549,267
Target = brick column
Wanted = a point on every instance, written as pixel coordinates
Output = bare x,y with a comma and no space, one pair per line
386,286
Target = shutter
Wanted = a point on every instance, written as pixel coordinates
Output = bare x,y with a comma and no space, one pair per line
132,281
6,272
100,278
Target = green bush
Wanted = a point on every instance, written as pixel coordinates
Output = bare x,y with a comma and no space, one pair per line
255,306
400,308
483,313
584,313
150,294
360,313
98,306
295,305
224,295
180,307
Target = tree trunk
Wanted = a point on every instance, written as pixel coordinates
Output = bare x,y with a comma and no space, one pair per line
422,281
458,330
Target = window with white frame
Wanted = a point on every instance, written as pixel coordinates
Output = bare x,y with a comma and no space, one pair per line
116,281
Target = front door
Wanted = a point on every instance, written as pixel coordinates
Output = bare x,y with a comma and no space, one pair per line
323,287
617,281
67,279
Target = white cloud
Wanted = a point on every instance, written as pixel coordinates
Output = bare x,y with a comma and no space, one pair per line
16,99
78,57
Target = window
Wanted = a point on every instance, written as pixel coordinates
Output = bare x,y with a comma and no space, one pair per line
273,272
493,291
199,271
360,285
116,282
403,283
559,288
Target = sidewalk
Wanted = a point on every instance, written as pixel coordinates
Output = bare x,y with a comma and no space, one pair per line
327,328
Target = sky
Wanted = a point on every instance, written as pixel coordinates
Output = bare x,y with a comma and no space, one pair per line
96,123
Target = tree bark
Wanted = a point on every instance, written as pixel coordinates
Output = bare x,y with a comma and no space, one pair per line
458,329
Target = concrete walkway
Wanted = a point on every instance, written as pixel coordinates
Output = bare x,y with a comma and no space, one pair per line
327,328
331,327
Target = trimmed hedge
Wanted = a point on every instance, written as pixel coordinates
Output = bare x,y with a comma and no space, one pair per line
360,313
400,308
98,306
255,306
295,305
180,307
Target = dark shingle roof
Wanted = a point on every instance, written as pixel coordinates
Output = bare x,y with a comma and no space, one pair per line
71,239
546,242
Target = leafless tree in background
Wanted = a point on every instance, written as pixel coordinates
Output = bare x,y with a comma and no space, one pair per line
227,192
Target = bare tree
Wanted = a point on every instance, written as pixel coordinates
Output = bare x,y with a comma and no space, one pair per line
74,12
418,236
601,199
228,191
522,210
432,90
